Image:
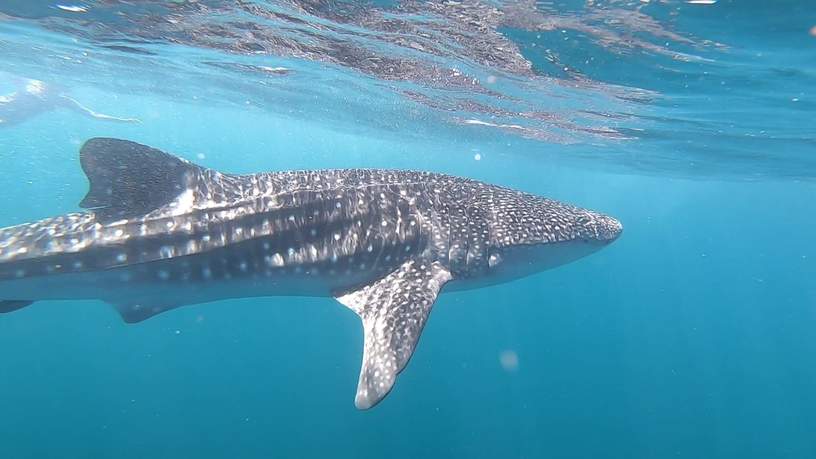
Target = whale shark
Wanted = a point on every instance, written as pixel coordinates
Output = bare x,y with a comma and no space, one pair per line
159,232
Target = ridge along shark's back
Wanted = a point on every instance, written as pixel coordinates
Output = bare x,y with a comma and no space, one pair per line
162,232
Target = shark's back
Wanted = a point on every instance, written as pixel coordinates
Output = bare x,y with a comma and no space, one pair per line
146,206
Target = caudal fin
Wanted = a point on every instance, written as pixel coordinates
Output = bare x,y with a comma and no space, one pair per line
13,305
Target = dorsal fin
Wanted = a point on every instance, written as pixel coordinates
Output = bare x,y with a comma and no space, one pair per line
129,179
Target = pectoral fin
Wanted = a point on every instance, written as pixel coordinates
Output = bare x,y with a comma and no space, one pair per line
394,310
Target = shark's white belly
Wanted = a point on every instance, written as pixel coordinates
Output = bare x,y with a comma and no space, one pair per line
130,285
118,285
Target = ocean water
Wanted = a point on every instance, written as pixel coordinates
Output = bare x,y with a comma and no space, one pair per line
692,122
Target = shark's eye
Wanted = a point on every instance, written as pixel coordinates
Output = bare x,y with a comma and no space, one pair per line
494,260
584,219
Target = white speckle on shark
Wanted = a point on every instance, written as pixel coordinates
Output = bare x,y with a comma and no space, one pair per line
162,233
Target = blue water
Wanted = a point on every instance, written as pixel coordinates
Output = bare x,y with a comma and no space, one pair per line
693,335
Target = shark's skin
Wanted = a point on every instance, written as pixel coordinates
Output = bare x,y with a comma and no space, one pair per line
164,233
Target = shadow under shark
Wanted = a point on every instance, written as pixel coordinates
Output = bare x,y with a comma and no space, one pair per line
162,232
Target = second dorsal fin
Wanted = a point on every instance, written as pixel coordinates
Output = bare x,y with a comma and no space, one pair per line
129,179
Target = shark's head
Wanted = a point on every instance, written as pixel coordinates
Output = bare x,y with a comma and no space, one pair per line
529,234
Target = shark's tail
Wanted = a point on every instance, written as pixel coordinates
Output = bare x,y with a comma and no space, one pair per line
13,305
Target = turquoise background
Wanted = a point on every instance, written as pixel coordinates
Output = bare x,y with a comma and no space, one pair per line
691,336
